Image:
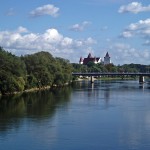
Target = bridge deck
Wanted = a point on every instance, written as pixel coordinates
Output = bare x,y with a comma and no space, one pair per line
110,74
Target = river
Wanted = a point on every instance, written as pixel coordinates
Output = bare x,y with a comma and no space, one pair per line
106,115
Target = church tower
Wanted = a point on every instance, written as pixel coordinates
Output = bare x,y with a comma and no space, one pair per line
107,59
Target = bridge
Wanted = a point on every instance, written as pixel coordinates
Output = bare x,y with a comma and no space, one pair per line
109,74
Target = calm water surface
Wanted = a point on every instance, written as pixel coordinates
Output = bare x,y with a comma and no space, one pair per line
106,115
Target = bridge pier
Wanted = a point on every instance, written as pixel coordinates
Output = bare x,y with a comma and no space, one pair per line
141,79
92,79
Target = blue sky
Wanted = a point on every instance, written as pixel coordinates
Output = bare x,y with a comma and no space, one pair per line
73,28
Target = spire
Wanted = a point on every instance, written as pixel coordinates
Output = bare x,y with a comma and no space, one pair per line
107,59
89,56
107,55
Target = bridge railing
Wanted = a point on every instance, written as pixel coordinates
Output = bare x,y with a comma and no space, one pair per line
109,73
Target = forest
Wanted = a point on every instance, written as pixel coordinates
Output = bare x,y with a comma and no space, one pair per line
41,69
32,71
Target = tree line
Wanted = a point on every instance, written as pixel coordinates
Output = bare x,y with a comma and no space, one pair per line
42,69
91,67
37,70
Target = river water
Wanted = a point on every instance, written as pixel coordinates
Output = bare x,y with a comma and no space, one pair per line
106,115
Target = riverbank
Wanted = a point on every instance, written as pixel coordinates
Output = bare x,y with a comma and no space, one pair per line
35,89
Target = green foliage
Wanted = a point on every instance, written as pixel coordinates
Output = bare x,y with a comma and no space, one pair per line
90,64
36,70
21,83
12,73
91,67
79,68
10,83
31,82
58,80
11,63
45,70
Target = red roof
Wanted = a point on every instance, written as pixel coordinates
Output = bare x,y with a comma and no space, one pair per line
87,60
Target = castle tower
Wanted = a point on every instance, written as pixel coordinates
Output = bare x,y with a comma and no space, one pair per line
81,60
107,59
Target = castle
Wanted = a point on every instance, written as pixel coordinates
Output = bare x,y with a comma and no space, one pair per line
96,60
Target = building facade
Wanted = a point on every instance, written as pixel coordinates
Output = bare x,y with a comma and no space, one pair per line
95,60
90,58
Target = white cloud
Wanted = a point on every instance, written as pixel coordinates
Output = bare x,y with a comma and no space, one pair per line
134,7
22,30
21,42
89,41
80,27
126,34
52,36
45,10
141,25
140,29
124,53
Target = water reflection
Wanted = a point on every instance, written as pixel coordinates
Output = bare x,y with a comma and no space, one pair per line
95,93
104,115
35,106
122,114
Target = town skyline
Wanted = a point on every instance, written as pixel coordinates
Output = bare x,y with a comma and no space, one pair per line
71,29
